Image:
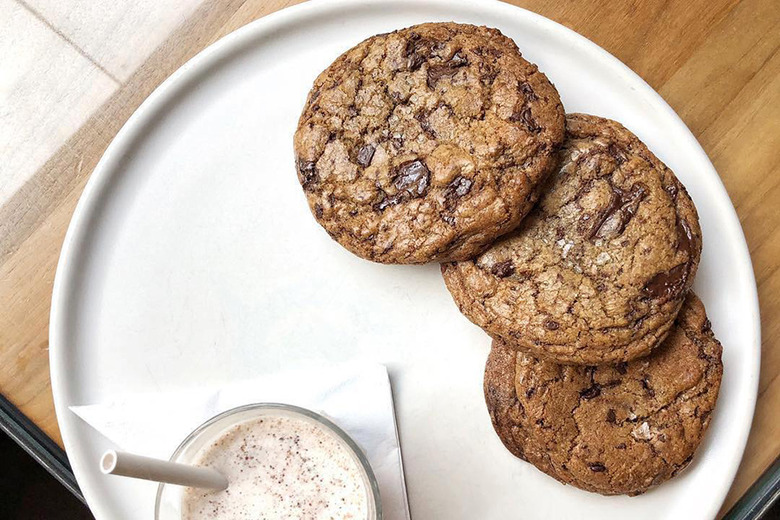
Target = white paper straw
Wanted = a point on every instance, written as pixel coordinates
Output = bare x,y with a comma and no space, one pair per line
136,466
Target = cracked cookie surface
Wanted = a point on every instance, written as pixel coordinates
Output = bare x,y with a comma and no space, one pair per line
427,143
609,429
597,272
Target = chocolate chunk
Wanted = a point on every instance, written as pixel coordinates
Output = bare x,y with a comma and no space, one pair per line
525,116
307,173
448,69
527,91
622,208
487,51
413,178
411,43
684,237
707,325
622,367
597,467
458,59
528,120
672,190
667,284
318,210
616,153
611,417
422,118
417,50
530,392
365,154
436,72
592,392
621,446
459,187
385,201
552,325
488,73
647,387
416,60
503,269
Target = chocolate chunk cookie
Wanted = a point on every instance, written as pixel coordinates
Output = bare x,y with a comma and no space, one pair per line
610,429
598,271
427,143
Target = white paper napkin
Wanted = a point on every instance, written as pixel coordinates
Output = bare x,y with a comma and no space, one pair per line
355,396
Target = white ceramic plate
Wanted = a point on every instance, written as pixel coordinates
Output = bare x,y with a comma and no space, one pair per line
192,257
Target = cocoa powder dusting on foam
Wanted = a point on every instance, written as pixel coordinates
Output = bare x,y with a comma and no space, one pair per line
279,467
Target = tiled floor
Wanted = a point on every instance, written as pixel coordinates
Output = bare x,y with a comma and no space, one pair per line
116,35
59,61
47,90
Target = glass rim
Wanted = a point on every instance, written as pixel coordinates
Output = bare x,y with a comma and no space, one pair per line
373,485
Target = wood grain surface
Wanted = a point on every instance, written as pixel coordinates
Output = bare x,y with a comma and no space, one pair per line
715,61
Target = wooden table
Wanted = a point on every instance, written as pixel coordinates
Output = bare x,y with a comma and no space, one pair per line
717,62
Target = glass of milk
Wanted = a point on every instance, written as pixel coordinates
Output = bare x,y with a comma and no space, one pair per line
281,461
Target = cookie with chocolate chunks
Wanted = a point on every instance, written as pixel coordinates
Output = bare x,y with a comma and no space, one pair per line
609,429
598,271
427,143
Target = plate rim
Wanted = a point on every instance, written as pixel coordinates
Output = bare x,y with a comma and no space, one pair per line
105,171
